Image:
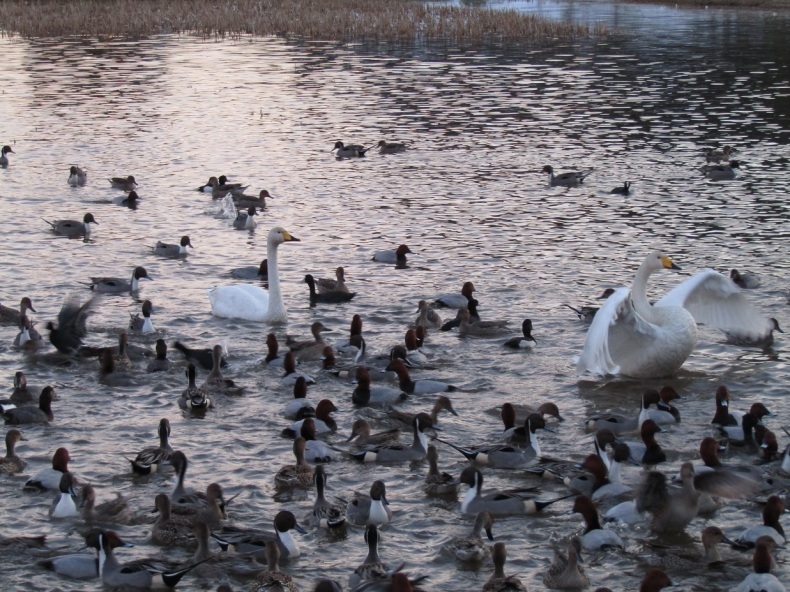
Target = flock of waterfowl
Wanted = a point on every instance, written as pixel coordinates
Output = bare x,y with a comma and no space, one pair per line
628,335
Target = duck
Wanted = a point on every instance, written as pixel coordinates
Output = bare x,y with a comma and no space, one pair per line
499,582
428,317
391,147
220,565
216,188
325,514
571,179
143,325
272,579
355,345
115,511
63,505
717,156
31,414
396,256
587,313
81,566
172,250
28,339
372,569
22,394
5,151
208,506
594,537
746,280
290,373
684,559
470,548
333,285
397,453
299,405
761,579
170,529
316,451
526,341
417,387
456,322
370,509
203,356
130,200
414,358
436,482
252,272
598,482
77,177
632,337
245,220
149,459
114,285
456,299
361,435
323,421
246,201
566,573
500,503
479,328
721,172
326,297
513,414
648,451
160,363
125,183
349,151
11,463
316,343
235,189
665,413
742,435
73,228
244,540
215,383
365,395
49,479
654,581
13,316
242,301
297,475
192,397
625,189
771,527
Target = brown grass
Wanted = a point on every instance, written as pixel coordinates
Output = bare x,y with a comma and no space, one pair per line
341,20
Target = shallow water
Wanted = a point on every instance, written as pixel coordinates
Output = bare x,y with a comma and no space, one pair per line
469,200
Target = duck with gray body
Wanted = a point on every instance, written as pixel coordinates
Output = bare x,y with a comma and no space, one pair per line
77,177
245,220
114,285
396,453
244,540
172,250
370,509
6,150
73,228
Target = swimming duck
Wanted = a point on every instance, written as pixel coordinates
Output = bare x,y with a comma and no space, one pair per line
327,296
193,397
456,299
160,363
22,394
49,479
566,573
365,395
762,580
332,285
717,156
746,280
77,177
170,529
246,220
114,285
242,301
325,514
479,328
172,250
437,483
370,509
587,313
428,317
362,436
130,200
272,579
742,435
63,505
41,413
632,337
771,527
220,565
665,413
142,325
245,540
648,451
114,511
28,339
235,189
125,183
391,147
372,569
470,548
596,481
215,383
13,316
654,581
208,506
499,503
73,228
349,151
417,387
316,451
523,342
299,405
397,256
684,559
594,538
11,463
246,201
299,474
81,566
514,417
624,190
261,272
6,150
397,453
499,582
572,179
324,423
203,357
148,460
355,344
290,373
721,172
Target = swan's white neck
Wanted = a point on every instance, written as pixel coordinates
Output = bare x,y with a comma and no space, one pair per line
639,292
276,312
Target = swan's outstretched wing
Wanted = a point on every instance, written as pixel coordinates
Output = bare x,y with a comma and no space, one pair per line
239,301
617,336
714,299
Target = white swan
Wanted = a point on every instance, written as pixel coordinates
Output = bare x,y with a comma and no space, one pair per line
630,336
245,301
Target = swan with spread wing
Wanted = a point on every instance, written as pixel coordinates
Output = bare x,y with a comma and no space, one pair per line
632,337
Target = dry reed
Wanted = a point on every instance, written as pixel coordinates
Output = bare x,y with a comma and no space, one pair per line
341,20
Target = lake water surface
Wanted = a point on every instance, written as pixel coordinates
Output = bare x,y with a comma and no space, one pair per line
468,198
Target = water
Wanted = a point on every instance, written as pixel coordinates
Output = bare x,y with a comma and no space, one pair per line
469,200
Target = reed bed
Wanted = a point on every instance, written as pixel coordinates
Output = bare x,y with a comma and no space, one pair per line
341,20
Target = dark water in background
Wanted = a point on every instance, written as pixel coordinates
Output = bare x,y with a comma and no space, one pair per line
470,201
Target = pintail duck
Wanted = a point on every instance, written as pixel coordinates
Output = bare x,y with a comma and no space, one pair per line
73,228
762,580
746,280
624,190
479,328
596,482
254,541
41,413
11,463
587,313
190,503
160,363
474,316
437,483
327,297
721,172
77,177
246,220
272,579
71,327
470,548
125,183
63,505
566,572
215,383
396,256
114,285
290,374
499,582
28,339
332,285
114,511
5,151
81,566
417,387
527,340
718,156
246,201
170,529
296,475
203,357
261,272
370,509
397,453
524,435
516,414
142,325
49,479
192,397
236,189
365,395
144,575
684,559
770,527
13,316
325,514
442,403
595,538
499,503
372,569
361,435
148,460
428,317
571,179
316,343
350,150
619,423
215,566
391,147
172,250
